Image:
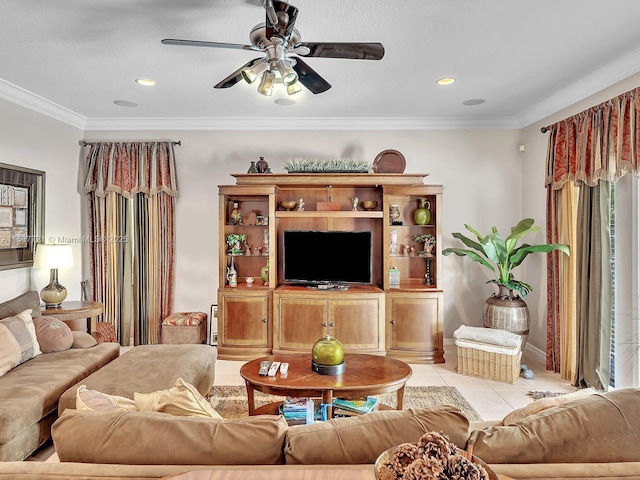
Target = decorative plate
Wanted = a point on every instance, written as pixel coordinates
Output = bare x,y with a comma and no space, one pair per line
389,161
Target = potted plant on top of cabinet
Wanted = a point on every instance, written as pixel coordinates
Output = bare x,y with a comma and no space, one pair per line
501,255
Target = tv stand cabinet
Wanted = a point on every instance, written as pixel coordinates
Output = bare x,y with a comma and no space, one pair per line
403,319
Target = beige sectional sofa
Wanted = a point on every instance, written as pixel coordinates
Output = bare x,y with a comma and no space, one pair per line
29,392
591,437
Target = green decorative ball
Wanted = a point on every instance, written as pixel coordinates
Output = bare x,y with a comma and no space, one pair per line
327,351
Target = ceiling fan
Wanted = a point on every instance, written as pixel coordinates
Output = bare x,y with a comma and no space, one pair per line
278,39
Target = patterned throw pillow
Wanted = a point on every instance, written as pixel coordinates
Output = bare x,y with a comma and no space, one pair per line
53,335
18,342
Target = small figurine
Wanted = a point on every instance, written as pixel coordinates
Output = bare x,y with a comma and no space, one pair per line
355,202
248,249
300,205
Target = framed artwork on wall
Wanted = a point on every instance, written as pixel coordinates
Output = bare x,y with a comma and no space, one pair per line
21,215
213,325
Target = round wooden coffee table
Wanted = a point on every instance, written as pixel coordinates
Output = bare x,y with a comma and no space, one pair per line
364,375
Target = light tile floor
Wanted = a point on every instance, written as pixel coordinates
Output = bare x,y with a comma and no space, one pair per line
492,400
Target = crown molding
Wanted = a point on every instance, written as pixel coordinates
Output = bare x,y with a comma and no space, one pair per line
36,103
608,75
306,123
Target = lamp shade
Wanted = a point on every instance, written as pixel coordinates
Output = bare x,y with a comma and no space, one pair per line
53,256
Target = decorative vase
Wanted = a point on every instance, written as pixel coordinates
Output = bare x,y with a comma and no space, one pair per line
232,274
507,311
422,215
394,214
264,273
327,356
262,166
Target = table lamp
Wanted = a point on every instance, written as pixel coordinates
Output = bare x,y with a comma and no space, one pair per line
54,257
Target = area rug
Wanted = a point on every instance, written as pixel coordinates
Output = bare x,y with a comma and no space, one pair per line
231,401
538,394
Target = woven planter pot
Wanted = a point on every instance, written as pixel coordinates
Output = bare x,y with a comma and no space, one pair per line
507,311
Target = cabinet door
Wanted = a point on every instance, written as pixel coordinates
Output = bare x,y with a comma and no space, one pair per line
244,320
301,322
355,322
415,330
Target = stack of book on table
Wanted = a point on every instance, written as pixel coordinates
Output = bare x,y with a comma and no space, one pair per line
342,407
300,410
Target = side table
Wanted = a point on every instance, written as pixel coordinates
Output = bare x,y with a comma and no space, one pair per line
72,312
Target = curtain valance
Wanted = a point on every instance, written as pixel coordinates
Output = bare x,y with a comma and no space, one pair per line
130,168
600,143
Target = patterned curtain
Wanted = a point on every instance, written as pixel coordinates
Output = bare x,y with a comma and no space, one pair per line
596,145
131,190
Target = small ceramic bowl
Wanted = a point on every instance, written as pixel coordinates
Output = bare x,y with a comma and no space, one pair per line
249,280
369,204
288,204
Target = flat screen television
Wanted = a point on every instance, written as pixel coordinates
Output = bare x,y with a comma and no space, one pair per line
324,257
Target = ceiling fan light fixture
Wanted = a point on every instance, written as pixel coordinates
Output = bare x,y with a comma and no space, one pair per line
266,84
288,74
294,88
446,81
251,73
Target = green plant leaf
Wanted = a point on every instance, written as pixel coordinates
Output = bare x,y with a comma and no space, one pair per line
461,252
521,253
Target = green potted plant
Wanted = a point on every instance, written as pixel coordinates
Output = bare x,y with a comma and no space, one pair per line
501,255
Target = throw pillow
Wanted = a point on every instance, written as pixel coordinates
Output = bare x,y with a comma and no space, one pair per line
21,326
82,340
53,335
183,399
10,350
599,428
98,401
544,403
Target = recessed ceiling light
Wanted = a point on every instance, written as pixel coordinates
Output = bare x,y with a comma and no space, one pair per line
284,101
445,81
474,101
147,82
125,103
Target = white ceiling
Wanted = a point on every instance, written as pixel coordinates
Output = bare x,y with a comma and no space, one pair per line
71,59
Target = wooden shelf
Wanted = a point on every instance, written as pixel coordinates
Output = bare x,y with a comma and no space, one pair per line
355,179
328,214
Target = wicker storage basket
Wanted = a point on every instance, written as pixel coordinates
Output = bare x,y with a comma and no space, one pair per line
500,367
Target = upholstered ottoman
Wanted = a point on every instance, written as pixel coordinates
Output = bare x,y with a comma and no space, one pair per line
185,327
148,368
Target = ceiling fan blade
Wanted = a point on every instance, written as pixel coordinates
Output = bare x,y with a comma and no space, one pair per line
310,78
236,76
198,43
362,51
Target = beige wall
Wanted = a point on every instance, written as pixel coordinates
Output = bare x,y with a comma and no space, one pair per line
487,182
29,139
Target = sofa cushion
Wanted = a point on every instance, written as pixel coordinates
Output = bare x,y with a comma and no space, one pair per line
148,368
361,439
53,335
18,342
31,390
181,399
595,428
21,303
160,439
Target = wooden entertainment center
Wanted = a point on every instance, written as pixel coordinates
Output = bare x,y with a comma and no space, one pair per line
403,320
